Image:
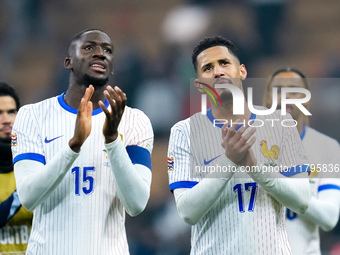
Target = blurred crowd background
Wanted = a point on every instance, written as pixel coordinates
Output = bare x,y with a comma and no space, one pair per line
153,43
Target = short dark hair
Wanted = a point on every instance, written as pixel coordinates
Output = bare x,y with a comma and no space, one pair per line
285,70
78,36
7,90
270,81
209,42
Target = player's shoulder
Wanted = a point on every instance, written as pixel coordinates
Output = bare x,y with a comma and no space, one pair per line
134,113
260,107
185,124
276,115
319,137
38,108
182,125
135,119
188,125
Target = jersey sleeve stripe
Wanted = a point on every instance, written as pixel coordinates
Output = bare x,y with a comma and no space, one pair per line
139,155
30,156
295,170
182,184
328,186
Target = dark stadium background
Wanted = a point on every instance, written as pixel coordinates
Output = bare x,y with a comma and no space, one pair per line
153,41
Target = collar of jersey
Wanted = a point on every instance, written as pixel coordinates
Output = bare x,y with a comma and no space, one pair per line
303,132
75,111
220,125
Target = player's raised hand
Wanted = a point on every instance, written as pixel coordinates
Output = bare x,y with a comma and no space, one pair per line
84,121
117,100
236,144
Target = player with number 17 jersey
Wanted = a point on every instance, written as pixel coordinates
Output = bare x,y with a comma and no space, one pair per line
245,218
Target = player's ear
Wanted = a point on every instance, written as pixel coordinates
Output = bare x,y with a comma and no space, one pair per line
67,63
243,72
198,85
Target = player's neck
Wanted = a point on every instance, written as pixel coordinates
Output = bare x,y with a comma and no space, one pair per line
75,93
226,112
300,124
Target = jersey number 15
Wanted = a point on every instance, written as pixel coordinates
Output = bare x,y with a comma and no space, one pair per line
87,183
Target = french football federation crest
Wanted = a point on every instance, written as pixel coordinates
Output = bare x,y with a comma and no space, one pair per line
271,154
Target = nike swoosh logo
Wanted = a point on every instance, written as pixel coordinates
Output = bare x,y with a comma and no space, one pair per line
211,160
48,141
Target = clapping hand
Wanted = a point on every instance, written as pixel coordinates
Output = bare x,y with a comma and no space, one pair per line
236,145
83,122
117,100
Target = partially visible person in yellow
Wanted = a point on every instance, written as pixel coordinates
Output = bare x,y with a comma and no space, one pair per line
15,220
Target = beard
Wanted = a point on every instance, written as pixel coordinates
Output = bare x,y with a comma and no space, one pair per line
226,97
96,82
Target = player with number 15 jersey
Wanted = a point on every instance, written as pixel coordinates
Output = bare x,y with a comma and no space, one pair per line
86,200
83,159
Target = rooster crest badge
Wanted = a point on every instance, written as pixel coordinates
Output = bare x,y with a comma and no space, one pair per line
271,154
